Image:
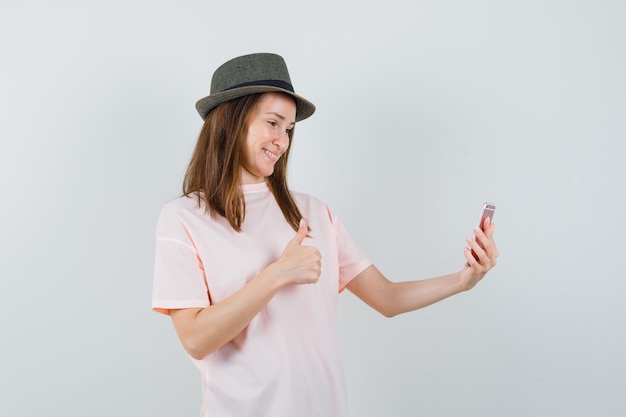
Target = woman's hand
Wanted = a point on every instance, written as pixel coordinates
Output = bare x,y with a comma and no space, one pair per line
298,264
485,250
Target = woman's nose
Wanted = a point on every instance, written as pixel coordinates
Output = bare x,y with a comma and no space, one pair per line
282,140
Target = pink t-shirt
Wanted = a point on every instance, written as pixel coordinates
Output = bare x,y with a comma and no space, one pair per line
287,361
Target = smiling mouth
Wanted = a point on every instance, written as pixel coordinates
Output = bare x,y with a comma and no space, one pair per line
272,156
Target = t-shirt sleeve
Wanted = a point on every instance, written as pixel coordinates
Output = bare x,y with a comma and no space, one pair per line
179,278
351,260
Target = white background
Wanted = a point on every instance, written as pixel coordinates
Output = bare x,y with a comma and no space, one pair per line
426,109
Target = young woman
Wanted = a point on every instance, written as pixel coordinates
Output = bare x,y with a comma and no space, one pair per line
250,271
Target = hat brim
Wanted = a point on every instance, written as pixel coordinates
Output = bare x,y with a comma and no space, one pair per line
304,108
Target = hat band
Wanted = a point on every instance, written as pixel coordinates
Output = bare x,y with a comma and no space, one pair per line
270,83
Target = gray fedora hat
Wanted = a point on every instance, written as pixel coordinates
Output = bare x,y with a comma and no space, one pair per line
249,74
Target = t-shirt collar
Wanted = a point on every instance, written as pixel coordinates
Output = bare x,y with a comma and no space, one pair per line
254,188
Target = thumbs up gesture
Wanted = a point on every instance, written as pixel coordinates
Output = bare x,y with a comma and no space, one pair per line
299,264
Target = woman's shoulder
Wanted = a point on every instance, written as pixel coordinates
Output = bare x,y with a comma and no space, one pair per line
180,215
183,202
310,204
301,197
185,205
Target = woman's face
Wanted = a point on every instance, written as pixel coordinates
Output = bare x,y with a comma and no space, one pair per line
273,116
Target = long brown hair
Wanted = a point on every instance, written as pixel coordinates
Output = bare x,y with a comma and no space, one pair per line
214,172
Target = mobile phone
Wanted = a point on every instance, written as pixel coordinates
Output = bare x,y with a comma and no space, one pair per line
486,212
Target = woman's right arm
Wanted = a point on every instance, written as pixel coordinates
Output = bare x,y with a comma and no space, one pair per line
204,330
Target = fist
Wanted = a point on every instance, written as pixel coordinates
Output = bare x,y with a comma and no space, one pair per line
299,264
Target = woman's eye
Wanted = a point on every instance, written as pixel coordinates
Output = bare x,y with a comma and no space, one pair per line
272,123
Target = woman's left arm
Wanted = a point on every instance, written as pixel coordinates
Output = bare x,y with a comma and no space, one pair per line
393,298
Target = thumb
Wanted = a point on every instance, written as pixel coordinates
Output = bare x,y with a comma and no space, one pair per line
302,231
